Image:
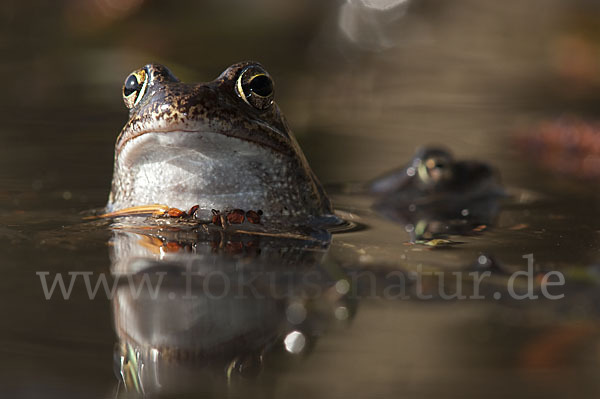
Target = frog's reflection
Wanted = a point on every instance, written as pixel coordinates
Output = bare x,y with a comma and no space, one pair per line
221,308
441,218
435,195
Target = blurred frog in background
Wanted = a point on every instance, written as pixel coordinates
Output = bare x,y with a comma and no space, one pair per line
435,194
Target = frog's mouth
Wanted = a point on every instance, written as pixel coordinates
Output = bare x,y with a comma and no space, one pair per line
268,137
191,147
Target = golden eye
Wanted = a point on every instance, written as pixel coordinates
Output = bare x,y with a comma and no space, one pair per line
255,87
135,87
434,169
431,163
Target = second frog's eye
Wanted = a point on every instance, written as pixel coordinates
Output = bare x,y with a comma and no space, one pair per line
255,87
434,169
135,87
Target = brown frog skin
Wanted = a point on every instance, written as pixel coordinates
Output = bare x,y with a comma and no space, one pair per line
220,145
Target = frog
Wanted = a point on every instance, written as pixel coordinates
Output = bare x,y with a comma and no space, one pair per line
435,195
212,147
434,173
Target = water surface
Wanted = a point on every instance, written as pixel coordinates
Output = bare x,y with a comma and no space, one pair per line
468,75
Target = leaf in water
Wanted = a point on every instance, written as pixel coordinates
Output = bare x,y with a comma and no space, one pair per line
438,242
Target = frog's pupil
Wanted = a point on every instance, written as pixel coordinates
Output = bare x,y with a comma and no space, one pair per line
131,85
261,85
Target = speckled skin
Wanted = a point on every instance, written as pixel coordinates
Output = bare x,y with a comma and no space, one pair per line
188,144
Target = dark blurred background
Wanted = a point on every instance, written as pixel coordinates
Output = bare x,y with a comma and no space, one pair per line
362,84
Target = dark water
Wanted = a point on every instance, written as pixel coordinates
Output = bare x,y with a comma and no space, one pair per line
361,90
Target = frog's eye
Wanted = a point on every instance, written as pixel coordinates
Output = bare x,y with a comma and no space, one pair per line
435,163
434,169
134,88
255,87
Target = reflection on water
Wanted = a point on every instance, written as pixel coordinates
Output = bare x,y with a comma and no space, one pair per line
242,314
362,90
223,306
